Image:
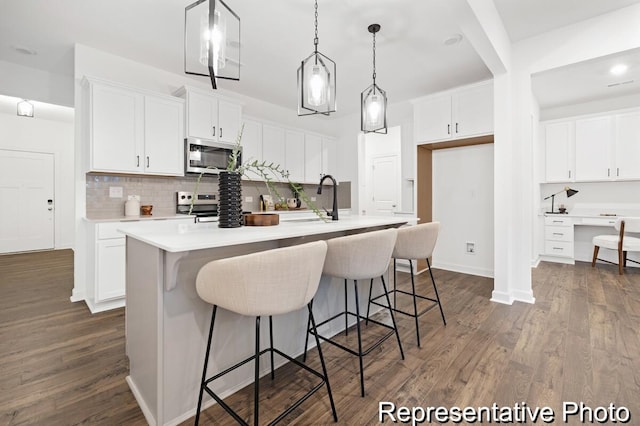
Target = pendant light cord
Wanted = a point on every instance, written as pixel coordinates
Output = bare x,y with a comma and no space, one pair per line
315,40
374,59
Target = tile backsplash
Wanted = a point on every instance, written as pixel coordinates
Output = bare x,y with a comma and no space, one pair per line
160,191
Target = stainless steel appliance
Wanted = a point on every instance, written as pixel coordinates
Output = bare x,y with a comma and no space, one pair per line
204,156
205,207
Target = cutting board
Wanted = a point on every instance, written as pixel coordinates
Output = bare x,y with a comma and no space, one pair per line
262,219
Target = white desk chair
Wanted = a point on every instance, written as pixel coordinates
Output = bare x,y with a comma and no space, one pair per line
621,242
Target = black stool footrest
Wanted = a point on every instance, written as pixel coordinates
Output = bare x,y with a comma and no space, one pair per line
252,358
345,348
411,314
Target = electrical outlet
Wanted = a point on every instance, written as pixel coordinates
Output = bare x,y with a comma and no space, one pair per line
313,198
132,197
471,248
115,192
248,199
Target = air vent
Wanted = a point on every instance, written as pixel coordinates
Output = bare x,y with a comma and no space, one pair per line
620,84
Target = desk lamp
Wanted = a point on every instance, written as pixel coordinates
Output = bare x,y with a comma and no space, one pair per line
570,193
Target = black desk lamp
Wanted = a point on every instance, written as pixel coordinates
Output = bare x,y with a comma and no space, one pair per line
570,193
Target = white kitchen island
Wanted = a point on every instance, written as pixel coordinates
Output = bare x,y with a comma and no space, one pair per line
167,324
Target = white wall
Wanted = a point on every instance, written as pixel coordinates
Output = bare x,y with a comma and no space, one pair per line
593,107
463,203
50,131
31,83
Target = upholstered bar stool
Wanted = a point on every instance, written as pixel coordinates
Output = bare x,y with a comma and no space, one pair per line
358,257
621,242
414,242
261,284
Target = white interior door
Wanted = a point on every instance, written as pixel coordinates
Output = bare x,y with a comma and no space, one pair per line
26,191
385,177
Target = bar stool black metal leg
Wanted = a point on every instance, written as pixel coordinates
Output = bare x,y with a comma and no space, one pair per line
415,303
436,290
355,286
346,315
394,282
256,383
369,302
306,338
206,363
393,319
271,342
324,367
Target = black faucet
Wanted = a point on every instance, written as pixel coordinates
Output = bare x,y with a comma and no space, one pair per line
334,210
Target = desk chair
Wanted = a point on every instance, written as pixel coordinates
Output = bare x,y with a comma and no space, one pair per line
620,242
267,283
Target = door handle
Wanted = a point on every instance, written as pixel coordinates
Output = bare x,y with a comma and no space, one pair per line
220,131
214,130
147,161
456,127
137,161
448,129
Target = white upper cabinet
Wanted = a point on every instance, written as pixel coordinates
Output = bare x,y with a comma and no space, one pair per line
273,145
559,151
465,112
627,146
294,155
329,156
313,158
209,117
593,145
163,130
133,131
252,141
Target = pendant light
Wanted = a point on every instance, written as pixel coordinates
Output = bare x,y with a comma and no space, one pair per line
316,81
212,41
373,101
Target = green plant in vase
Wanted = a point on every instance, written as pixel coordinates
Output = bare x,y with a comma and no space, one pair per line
270,172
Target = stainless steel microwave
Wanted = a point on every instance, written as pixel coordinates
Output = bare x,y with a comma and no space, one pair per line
205,156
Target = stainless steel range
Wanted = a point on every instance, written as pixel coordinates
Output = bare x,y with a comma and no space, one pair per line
205,207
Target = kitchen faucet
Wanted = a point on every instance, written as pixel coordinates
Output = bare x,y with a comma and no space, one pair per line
334,210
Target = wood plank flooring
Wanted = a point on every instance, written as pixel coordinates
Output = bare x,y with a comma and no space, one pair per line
580,341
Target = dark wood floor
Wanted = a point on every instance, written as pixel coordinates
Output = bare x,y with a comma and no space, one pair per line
580,341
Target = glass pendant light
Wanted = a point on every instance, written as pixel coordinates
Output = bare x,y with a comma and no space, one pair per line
316,81
373,101
212,41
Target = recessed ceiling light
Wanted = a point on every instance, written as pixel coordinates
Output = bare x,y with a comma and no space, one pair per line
618,69
452,39
25,50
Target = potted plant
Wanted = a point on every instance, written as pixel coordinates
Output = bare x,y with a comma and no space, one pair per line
230,185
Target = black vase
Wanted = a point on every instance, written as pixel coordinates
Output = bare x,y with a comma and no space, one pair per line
230,200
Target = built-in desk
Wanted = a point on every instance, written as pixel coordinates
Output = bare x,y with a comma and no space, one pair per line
569,237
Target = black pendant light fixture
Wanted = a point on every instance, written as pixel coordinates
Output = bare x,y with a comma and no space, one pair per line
212,41
316,81
373,101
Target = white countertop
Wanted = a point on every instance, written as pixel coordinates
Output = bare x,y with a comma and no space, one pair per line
181,237
111,218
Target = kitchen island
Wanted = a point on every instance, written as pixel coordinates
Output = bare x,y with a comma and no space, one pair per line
167,323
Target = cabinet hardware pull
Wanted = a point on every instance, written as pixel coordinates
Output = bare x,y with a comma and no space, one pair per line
617,171
137,161
220,132
558,221
558,248
569,174
214,130
608,172
558,233
456,127
448,129
147,161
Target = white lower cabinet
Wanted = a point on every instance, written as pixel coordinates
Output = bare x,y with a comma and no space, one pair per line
106,263
558,236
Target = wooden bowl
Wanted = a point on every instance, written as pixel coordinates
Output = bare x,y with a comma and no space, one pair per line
262,219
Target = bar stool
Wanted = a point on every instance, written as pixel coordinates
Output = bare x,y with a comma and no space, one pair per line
267,283
357,257
414,242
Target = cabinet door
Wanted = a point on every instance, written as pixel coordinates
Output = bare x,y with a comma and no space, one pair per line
329,157
313,158
294,155
628,146
116,126
558,149
594,142
273,145
229,121
110,269
202,116
472,112
432,119
252,144
163,136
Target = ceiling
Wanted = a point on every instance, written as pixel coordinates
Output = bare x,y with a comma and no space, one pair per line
412,58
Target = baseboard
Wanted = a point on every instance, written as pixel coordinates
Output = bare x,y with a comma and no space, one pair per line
104,306
76,295
535,262
501,297
141,402
470,270
555,259
524,296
